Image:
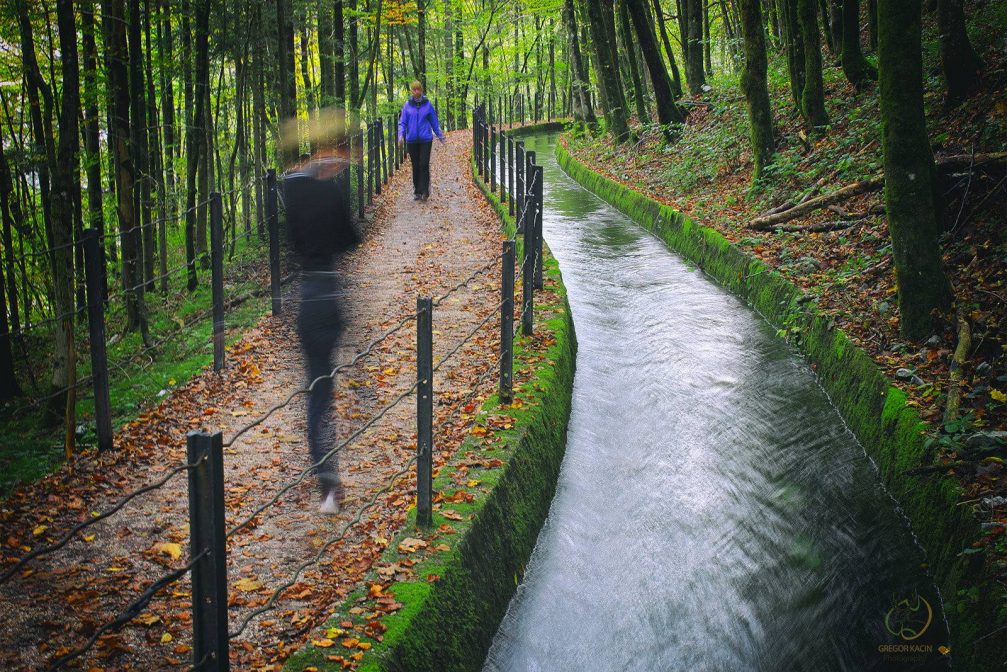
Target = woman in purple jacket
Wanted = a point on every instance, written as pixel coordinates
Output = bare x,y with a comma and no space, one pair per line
417,128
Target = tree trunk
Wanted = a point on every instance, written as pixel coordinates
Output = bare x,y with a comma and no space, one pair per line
795,51
9,387
676,77
856,68
753,83
195,141
156,178
813,95
125,184
138,144
823,11
92,156
608,69
286,84
668,112
910,173
10,211
167,79
961,65
421,29
326,55
65,187
872,23
707,40
836,27
339,30
582,110
625,35
694,70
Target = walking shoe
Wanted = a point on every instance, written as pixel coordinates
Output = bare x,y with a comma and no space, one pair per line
416,197
330,504
425,197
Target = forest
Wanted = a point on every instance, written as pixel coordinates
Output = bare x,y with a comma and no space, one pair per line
125,116
857,148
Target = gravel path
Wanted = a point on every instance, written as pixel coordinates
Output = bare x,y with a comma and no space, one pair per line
410,248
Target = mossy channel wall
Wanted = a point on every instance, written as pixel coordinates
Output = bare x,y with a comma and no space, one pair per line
448,624
890,430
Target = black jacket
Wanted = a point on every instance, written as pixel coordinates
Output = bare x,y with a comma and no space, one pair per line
319,218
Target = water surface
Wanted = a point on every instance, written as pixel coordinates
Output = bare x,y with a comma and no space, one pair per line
713,511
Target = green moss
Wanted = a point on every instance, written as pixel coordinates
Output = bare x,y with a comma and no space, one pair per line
449,624
878,413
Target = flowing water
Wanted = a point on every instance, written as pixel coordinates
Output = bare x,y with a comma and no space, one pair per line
713,512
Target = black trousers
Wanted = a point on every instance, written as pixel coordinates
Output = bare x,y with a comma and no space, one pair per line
419,156
319,325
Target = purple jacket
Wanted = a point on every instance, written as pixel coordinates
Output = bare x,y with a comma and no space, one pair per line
418,121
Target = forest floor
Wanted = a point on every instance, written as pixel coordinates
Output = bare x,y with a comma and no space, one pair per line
848,271
56,602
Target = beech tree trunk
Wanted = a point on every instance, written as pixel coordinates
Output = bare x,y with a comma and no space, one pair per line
694,70
668,112
634,72
753,83
676,77
856,68
910,173
608,70
961,65
813,95
582,109
795,51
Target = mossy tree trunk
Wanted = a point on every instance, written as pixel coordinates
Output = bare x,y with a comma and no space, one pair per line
961,65
813,94
608,70
753,83
795,50
910,203
856,68
694,70
664,93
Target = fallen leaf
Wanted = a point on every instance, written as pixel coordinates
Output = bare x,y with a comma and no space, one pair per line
247,585
410,545
173,550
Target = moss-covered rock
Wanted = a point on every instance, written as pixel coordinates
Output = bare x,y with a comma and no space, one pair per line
890,430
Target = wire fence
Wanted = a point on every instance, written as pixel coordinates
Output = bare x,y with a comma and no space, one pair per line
209,534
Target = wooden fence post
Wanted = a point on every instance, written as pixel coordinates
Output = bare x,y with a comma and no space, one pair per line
506,389
207,534
424,410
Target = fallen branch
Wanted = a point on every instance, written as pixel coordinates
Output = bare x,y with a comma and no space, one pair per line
820,227
969,161
767,222
957,362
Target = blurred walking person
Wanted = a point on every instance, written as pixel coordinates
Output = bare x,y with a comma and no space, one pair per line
319,225
417,127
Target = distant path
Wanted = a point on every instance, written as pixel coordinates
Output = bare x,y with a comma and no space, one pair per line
410,248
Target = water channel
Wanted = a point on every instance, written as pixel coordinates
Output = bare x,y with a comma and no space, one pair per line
713,512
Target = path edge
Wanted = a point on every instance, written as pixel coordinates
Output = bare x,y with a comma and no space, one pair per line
891,431
449,624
